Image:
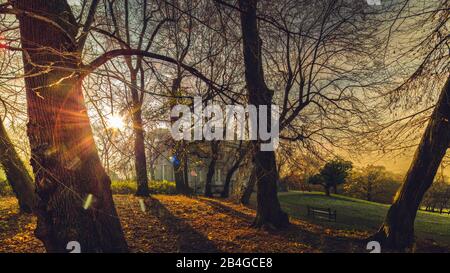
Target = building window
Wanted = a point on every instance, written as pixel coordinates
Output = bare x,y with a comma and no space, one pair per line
218,178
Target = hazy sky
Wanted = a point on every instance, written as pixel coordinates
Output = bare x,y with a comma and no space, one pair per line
395,163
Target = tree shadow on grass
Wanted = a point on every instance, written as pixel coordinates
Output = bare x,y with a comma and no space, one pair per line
321,239
188,239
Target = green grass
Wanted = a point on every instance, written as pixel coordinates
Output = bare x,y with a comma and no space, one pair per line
356,214
155,187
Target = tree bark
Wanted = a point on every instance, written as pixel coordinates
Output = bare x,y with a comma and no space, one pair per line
186,174
182,186
65,160
152,172
248,190
211,168
140,160
16,173
226,187
397,231
269,212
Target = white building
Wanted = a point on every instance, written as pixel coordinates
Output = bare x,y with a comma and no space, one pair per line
199,157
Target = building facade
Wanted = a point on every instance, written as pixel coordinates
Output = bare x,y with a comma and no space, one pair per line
199,158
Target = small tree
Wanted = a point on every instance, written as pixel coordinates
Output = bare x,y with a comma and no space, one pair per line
373,183
334,173
438,196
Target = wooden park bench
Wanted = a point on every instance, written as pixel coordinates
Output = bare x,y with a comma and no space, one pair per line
322,213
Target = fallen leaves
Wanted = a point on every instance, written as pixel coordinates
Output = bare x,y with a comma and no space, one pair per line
184,224
173,223
16,229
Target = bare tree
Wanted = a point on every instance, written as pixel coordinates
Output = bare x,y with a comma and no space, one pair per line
268,210
397,230
132,32
241,152
432,49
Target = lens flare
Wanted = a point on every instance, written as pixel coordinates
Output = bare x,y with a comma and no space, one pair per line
116,122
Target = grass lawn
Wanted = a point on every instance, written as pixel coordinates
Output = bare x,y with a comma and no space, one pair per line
356,214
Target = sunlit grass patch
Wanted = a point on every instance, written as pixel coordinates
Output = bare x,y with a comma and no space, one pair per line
361,215
130,187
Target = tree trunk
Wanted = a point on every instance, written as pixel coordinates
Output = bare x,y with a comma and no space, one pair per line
65,160
397,231
140,160
209,177
179,178
179,146
269,210
179,168
268,207
186,174
152,172
248,190
226,187
16,173
211,168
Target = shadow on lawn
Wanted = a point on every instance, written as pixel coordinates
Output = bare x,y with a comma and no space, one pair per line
188,239
324,240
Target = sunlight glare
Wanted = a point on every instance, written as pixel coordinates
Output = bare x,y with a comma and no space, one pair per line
116,122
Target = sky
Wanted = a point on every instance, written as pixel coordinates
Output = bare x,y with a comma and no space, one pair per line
398,164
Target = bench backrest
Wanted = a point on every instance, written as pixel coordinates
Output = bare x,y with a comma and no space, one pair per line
321,210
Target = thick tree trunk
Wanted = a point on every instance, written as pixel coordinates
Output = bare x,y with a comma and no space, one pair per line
268,211
211,168
248,190
65,161
16,173
397,231
140,160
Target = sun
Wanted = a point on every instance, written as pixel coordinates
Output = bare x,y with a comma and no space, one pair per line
116,122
